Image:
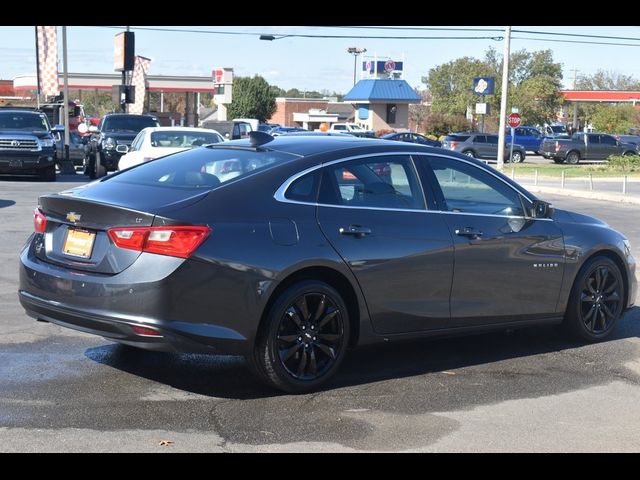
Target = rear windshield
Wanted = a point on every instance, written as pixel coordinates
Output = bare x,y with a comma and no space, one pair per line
128,124
202,168
182,139
456,138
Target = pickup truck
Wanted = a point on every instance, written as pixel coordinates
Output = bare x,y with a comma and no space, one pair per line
351,128
585,146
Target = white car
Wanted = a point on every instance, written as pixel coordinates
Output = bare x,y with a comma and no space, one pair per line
156,142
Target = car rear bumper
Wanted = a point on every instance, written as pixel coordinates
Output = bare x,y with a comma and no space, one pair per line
112,305
172,336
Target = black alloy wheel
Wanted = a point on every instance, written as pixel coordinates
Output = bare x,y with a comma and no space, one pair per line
597,300
305,338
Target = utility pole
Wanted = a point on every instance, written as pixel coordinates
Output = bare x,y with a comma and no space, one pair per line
503,99
66,165
575,104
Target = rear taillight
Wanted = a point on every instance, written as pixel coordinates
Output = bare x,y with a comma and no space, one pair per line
453,145
175,241
39,221
557,146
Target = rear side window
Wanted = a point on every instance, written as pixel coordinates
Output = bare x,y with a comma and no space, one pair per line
201,168
379,182
304,189
608,140
456,138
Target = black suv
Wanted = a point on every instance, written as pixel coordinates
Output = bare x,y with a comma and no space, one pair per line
114,129
27,144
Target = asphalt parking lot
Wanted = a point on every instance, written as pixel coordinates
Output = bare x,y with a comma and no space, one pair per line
528,390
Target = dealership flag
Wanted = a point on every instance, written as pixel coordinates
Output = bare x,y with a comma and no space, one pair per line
139,80
48,61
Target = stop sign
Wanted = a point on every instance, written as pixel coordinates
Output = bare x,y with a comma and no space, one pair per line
514,120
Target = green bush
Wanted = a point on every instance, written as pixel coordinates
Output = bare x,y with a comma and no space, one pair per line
624,163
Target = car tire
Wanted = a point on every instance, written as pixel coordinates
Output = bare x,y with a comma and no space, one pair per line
629,153
596,302
303,338
48,174
573,158
470,153
516,157
100,169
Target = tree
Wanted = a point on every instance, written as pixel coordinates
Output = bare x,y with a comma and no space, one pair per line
450,84
602,80
252,98
535,82
614,118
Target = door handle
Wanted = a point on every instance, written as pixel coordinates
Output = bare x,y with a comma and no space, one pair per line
355,230
468,232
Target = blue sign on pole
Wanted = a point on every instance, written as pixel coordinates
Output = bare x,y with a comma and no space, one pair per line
484,85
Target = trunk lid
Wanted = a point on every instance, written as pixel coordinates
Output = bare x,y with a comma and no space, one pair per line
78,220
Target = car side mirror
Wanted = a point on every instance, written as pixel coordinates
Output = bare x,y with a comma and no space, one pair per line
122,148
226,135
58,128
542,209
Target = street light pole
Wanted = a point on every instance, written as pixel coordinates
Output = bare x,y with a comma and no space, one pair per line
503,99
355,51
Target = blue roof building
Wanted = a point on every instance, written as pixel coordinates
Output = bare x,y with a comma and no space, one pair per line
382,103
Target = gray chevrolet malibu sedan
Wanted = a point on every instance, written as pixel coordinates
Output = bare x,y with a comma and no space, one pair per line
289,251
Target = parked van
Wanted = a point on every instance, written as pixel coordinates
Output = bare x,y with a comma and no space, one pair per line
230,130
254,122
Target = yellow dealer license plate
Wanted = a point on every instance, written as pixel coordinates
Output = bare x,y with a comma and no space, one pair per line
79,243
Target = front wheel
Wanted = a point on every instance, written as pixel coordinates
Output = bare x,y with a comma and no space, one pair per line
558,160
597,300
303,339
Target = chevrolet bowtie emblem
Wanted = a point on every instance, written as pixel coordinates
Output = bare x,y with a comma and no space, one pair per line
73,217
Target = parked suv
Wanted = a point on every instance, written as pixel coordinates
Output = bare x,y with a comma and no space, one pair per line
529,137
27,144
481,145
114,129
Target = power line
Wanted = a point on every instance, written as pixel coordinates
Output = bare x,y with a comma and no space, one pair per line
277,36
466,29
556,40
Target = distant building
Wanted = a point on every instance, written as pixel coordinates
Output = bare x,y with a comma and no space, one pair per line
382,103
310,113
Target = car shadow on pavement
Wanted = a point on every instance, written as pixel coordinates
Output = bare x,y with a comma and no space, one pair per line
540,359
6,203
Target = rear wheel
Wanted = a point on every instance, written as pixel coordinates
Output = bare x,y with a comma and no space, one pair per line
470,153
573,158
303,339
517,157
597,300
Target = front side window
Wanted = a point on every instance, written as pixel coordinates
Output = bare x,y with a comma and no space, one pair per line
469,189
480,139
379,182
593,139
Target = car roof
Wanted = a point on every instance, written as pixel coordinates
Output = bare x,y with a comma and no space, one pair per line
180,129
306,145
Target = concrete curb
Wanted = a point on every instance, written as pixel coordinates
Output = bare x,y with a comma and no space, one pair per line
609,197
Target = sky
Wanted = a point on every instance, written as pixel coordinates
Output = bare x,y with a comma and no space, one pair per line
314,63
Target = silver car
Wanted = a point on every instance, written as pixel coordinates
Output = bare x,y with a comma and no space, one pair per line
482,145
